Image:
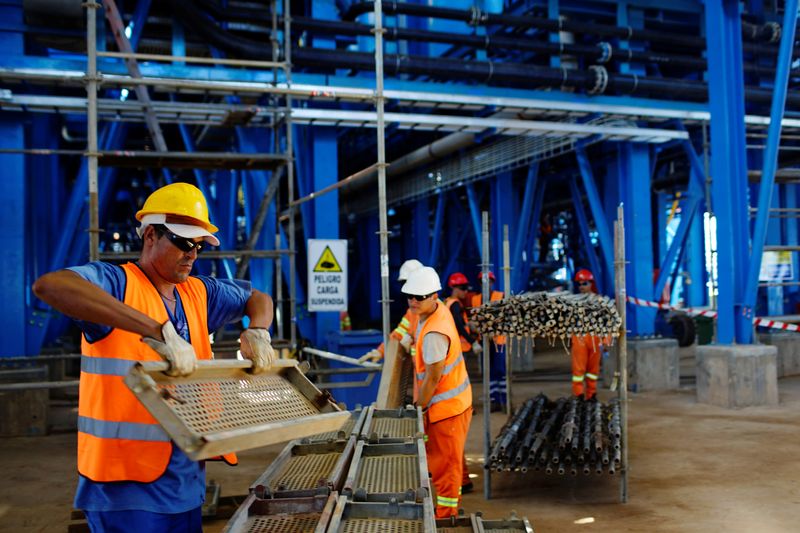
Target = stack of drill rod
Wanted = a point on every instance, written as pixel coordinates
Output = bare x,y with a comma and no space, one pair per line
570,435
548,315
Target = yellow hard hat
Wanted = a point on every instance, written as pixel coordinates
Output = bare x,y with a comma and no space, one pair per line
180,199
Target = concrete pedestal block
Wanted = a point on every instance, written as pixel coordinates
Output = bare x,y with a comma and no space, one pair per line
653,365
24,413
737,376
788,345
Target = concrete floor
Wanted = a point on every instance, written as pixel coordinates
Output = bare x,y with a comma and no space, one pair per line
693,468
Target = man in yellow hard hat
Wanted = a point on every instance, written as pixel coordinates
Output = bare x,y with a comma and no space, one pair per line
132,476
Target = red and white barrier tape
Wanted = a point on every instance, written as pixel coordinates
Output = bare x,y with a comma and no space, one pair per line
762,322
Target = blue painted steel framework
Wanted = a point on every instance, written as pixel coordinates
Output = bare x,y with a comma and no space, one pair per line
442,231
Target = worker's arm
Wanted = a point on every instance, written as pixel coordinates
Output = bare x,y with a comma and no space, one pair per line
259,309
433,373
80,299
77,298
458,318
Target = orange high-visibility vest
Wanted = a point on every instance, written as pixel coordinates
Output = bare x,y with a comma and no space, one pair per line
496,296
453,394
118,439
465,345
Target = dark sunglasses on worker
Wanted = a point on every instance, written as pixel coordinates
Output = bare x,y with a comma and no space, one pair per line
416,297
584,283
181,243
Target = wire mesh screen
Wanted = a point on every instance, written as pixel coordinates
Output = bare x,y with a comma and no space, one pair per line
394,427
382,525
504,529
220,404
346,430
284,523
304,471
388,473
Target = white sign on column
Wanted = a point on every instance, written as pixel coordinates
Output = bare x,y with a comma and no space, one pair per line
327,275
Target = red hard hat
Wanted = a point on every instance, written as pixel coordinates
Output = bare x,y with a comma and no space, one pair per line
584,275
491,276
457,278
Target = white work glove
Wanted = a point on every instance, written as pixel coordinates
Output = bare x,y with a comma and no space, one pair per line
174,350
406,341
373,355
477,348
256,345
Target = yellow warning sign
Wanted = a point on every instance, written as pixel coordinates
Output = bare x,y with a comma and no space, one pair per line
327,262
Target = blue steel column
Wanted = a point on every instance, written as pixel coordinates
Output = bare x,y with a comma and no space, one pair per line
633,171
791,235
12,219
504,212
728,162
744,333
326,207
520,235
596,207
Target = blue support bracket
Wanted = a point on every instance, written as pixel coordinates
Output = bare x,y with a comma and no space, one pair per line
475,213
533,234
433,256
694,198
596,207
583,225
770,161
520,236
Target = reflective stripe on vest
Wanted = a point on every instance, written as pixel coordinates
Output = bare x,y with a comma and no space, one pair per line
447,369
118,439
122,430
106,366
452,393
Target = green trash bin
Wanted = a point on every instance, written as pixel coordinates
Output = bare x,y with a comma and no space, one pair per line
705,329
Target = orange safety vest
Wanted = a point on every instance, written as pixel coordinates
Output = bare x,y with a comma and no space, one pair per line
465,345
496,296
118,439
453,394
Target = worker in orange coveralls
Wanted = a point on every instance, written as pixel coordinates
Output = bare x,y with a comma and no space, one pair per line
586,349
442,388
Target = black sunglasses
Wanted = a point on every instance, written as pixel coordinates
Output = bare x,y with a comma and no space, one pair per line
181,243
416,297
584,283
462,287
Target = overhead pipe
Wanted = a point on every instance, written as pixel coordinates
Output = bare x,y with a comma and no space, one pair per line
595,81
601,52
477,17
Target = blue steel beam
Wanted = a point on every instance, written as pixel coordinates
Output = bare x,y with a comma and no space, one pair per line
583,225
728,162
632,167
689,211
503,213
475,213
770,162
596,207
533,234
324,159
520,236
13,250
433,256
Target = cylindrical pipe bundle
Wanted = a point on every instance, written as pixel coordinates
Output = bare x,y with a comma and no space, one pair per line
548,315
569,435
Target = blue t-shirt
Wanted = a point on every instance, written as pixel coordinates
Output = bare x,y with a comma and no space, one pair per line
182,486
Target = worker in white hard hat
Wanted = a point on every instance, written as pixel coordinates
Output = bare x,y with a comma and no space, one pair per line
132,476
442,388
404,332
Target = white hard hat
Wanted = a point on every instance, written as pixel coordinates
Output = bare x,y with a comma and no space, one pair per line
422,282
407,268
